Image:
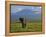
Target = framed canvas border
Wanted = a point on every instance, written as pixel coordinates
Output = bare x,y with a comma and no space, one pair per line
7,17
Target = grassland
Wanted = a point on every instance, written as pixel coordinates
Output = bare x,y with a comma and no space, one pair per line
30,27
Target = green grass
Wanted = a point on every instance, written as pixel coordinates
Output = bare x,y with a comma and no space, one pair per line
30,27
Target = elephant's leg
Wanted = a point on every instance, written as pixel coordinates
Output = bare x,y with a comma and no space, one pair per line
22,25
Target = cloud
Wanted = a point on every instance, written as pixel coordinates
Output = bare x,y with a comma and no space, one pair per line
37,12
18,9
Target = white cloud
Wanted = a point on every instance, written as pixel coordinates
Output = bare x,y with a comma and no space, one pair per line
18,9
37,12
39,7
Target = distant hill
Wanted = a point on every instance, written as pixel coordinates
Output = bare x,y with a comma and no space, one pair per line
28,14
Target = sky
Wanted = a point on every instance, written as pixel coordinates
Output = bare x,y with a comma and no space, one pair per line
17,8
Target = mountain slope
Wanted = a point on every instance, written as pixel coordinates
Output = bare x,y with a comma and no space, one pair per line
26,13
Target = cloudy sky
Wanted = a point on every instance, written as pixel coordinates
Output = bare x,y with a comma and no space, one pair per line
17,8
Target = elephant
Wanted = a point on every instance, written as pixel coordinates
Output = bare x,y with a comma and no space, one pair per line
22,22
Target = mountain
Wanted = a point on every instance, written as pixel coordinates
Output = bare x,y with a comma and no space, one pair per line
26,13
